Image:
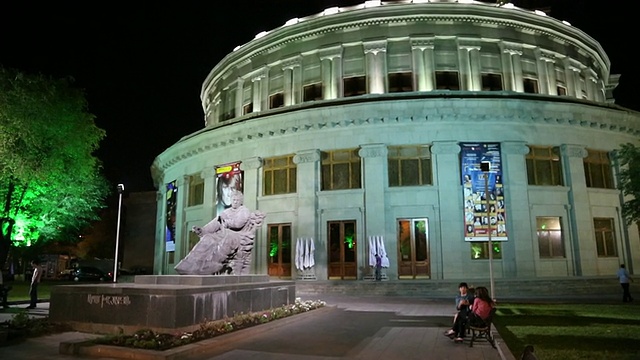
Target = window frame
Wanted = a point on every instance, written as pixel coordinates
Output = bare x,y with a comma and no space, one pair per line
329,164
547,241
534,160
601,238
394,154
269,172
597,160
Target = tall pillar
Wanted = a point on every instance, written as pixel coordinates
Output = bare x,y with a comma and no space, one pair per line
159,254
375,177
469,59
512,67
331,60
292,81
423,67
550,71
543,76
375,53
239,95
449,237
308,170
579,210
251,176
517,260
591,83
256,89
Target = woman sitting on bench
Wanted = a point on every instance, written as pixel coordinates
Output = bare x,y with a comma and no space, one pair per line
480,311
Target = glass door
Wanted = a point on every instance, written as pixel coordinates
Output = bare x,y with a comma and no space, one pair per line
342,249
413,249
279,250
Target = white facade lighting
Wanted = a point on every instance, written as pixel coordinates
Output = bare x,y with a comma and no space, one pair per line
292,21
372,3
540,12
261,34
331,11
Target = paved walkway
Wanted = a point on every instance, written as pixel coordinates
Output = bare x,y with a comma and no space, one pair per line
384,328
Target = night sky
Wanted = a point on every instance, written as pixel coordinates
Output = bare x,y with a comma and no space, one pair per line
142,65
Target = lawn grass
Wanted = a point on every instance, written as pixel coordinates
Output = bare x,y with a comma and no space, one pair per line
571,331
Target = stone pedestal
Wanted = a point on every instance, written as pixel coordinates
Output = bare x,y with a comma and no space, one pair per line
165,303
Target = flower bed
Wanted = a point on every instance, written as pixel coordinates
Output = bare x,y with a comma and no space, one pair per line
148,339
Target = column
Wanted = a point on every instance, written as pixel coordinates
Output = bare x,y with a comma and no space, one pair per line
469,59
579,210
215,115
449,237
292,83
251,168
209,204
375,53
512,67
423,64
374,157
256,89
591,83
331,60
550,70
181,240
572,73
239,96
308,167
518,260
159,259
543,76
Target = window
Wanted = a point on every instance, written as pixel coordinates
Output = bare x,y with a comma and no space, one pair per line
409,165
400,82
276,100
279,175
247,109
340,169
312,92
447,80
597,170
544,166
561,90
605,237
550,241
196,190
530,85
355,85
480,250
492,82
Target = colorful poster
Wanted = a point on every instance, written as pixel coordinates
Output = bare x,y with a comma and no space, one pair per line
171,198
229,179
483,193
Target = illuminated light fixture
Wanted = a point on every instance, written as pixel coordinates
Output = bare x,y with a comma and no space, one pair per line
465,1
420,1
261,34
508,6
540,12
566,22
331,11
372,3
237,47
292,21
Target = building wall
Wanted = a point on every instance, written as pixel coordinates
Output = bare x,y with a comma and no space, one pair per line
470,39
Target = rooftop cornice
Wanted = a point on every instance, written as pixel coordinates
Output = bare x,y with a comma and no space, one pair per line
403,11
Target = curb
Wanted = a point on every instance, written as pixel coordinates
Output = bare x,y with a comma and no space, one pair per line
216,345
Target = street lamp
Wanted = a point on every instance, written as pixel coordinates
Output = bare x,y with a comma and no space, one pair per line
115,261
485,167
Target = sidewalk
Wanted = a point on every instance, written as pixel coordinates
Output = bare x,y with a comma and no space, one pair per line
384,328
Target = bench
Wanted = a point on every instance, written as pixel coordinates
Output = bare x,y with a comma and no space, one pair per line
484,331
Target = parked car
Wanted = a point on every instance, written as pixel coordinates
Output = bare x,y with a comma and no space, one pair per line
89,273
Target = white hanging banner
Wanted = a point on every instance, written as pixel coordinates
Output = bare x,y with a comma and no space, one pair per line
376,246
305,253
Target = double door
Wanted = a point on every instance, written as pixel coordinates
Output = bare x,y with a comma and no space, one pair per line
342,249
413,249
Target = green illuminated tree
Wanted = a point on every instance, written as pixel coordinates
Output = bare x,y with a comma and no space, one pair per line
628,158
50,182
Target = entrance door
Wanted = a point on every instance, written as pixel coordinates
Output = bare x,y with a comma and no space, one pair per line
342,249
279,250
413,248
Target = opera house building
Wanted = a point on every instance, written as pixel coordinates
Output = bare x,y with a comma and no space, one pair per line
442,135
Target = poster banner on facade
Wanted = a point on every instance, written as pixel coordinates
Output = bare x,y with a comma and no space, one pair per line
482,217
170,231
229,178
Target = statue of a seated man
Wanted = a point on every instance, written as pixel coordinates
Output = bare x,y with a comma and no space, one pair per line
225,242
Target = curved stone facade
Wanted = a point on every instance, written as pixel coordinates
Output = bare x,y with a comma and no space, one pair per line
370,125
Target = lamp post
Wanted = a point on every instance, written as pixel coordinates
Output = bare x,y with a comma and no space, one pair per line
485,167
115,261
